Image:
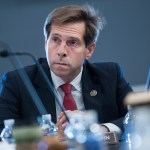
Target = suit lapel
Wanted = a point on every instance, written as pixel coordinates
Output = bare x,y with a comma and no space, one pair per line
91,91
44,93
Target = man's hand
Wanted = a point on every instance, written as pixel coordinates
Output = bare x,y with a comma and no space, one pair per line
62,122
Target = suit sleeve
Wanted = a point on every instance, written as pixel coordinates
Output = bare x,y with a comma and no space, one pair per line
9,96
122,89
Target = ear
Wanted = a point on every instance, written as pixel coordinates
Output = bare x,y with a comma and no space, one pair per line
90,50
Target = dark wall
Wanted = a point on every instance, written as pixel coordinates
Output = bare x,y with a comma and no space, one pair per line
125,38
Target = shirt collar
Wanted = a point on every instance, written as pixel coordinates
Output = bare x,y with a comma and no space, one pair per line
57,81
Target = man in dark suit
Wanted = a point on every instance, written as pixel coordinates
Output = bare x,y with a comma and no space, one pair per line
70,33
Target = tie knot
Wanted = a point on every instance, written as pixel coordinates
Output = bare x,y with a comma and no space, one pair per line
66,88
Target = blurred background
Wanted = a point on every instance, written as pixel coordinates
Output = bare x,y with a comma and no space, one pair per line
125,38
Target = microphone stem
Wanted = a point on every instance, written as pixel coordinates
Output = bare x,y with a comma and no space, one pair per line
28,85
49,84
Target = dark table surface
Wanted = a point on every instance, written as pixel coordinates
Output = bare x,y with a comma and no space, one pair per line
119,146
113,146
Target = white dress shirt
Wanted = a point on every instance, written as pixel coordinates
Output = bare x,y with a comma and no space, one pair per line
76,91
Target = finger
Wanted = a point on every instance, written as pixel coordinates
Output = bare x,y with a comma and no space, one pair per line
64,125
63,114
63,119
60,115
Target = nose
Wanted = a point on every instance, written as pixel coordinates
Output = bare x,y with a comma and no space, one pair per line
62,49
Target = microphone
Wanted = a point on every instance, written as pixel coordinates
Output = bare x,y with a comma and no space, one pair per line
6,53
4,49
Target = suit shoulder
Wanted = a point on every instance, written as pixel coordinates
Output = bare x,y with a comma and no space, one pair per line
103,66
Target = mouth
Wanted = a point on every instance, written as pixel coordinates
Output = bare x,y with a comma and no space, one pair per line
62,64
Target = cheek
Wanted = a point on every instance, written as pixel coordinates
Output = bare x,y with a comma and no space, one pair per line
81,54
79,59
49,54
49,51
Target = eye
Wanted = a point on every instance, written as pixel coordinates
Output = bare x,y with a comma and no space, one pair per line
56,40
72,42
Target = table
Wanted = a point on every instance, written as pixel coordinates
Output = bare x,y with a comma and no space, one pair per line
122,145
119,146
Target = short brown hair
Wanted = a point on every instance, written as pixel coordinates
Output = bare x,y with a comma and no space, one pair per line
73,13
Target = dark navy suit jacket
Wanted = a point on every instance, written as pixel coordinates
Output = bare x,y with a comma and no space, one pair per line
106,78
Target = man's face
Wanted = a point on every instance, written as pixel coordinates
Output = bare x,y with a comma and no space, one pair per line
66,50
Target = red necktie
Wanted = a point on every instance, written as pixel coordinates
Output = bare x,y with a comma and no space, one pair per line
69,102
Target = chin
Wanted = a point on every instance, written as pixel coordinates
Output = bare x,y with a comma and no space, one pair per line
60,74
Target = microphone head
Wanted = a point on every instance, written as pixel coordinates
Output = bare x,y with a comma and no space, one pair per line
4,49
4,53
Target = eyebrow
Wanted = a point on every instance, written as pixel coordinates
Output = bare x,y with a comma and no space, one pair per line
56,34
74,38
71,37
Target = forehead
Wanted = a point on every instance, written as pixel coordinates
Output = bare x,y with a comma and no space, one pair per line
69,30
